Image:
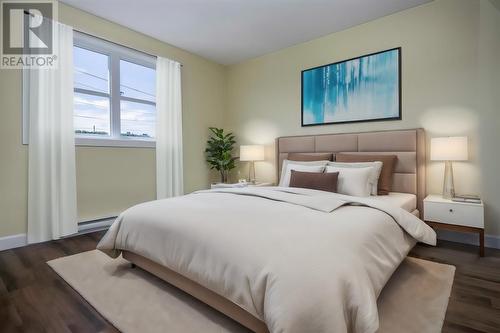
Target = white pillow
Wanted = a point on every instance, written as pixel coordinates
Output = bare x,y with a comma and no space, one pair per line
288,166
375,175
353,181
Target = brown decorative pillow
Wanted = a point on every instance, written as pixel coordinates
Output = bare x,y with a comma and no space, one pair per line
315,180
310,157
385,179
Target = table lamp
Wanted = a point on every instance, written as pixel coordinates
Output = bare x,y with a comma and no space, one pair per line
449,149
251,153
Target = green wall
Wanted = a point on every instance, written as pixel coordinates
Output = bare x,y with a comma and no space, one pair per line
451,71
110,180
450,63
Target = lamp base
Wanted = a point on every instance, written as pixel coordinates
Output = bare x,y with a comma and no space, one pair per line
251,173
448,185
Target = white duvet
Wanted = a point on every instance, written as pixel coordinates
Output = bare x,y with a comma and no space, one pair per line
300,260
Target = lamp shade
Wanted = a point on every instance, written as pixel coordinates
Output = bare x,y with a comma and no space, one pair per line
252,153
449,149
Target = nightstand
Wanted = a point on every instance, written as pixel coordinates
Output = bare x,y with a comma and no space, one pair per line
442,213
238,185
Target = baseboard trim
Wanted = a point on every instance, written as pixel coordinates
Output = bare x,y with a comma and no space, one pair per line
491,241
19,240
12,241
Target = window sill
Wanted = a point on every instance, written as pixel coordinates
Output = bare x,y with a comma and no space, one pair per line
110,142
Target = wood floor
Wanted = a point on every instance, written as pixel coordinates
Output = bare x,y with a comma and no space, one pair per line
34,299
475,298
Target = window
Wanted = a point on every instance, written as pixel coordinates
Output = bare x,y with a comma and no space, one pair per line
114,100
92,108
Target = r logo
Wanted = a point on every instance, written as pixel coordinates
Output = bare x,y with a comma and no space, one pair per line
27,27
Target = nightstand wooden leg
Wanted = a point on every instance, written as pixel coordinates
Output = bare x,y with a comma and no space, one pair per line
481,243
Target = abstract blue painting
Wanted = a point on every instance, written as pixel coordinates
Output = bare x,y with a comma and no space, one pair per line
366,88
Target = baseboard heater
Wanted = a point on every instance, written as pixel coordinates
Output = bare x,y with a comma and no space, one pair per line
95,225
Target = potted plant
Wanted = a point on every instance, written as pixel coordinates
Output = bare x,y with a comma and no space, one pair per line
219,148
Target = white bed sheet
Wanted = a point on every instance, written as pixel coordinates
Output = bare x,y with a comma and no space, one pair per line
407,201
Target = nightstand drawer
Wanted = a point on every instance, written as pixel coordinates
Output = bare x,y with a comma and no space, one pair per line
458,214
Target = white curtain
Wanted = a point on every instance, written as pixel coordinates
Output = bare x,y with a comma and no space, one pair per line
52,177
169,174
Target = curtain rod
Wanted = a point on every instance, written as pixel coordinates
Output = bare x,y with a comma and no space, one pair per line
110,41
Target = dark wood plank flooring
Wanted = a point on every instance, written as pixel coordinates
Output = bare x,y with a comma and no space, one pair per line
34,299
475,298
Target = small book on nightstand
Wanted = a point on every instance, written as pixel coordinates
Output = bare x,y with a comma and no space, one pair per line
468,198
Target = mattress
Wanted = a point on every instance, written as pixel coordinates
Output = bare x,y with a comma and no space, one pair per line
407,201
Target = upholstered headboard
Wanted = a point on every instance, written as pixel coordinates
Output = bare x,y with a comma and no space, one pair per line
408,145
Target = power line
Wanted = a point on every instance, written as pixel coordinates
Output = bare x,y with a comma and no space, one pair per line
139,120
106,80
93,104
93,75
145,93
123,120
91,87
90,117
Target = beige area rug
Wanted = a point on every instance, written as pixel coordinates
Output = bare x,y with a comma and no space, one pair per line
414,300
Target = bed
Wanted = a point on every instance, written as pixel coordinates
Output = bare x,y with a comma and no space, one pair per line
285,259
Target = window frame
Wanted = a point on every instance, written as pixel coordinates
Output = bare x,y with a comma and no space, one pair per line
115,53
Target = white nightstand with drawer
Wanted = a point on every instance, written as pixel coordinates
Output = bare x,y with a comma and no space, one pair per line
442,213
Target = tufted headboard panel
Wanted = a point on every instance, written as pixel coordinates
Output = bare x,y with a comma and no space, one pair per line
408,145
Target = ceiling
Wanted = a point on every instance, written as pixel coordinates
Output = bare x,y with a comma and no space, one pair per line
231,31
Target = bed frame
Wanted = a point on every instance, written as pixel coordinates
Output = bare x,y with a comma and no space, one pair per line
196,290
407,145
409,177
